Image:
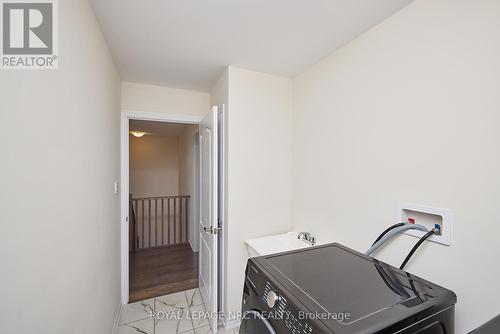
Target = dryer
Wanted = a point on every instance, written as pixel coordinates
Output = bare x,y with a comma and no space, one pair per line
334,289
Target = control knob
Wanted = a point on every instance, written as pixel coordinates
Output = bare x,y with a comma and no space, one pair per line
272,298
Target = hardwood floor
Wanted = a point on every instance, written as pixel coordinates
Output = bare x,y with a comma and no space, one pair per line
162,270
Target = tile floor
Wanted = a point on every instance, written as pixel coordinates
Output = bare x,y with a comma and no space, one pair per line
181,312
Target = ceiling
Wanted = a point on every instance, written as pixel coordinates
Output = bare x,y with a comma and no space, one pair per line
158,128
188,43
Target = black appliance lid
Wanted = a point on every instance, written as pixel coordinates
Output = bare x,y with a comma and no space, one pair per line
337,279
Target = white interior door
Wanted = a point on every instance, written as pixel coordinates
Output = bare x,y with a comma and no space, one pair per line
209,222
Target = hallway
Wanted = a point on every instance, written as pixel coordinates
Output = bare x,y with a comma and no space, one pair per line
162,270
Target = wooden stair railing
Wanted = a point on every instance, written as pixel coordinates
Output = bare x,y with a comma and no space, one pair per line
158,221
132,241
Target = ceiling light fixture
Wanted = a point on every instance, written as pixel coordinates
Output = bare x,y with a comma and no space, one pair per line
137,134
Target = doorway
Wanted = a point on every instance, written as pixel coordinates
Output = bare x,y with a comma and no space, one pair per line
187,238
163,206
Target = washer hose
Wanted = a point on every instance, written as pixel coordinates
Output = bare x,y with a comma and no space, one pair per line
414,249
394,232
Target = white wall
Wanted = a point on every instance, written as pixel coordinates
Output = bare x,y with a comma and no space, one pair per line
60,155
259,171
154,166
142,97
409,112
188,179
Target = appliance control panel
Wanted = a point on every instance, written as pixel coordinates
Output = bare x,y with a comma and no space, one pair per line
281,310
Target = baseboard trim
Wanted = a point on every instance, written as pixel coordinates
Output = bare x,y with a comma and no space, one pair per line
117,319
193,248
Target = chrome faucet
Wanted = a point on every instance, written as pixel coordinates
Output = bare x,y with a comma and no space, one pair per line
307,237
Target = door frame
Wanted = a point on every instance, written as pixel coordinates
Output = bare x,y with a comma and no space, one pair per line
126,116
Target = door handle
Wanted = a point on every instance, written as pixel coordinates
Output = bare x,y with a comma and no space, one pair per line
211,229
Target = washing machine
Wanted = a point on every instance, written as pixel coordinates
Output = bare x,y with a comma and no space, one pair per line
334,289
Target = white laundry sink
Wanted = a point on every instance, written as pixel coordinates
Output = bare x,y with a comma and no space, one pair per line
275,244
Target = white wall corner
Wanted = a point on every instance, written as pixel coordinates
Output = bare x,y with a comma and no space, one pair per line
117,319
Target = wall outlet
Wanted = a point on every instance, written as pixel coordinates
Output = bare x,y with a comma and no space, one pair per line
429,217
